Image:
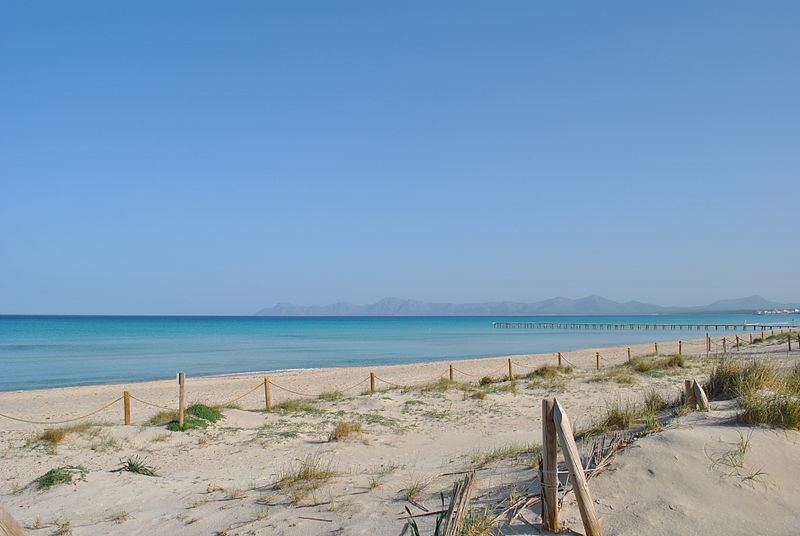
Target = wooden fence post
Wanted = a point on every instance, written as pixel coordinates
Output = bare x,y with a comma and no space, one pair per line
579,485
510,373
126,399
559,357
762,336
629,353
549,477
597,360
680,347
371,382
451,372
751,338
655,346
737,343
688,394
267,394
724,345
181,397
789,341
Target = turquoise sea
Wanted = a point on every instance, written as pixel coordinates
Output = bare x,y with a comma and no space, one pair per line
54,351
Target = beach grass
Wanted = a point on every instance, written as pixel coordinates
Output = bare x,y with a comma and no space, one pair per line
60,475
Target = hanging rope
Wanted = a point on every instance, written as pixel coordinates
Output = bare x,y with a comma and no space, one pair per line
241,396
65,420
146,403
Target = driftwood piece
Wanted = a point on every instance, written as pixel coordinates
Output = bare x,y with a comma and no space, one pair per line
459,506
585,504
700,395
8,526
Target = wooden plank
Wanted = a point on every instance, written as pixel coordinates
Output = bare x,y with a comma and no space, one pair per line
589,517
549,468
700,395
8,526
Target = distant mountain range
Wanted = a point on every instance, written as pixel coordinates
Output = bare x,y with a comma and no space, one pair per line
590,305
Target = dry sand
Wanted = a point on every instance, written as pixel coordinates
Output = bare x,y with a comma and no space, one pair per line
220,480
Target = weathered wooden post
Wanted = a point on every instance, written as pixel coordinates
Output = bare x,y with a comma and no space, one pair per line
126,400
510,372
585,504
724,345
789,341
680,347
267,394
655,347
597,360
688,394
762,335
737,343
451,372
549,478
181,397
371,382
751,338
559,358
629,353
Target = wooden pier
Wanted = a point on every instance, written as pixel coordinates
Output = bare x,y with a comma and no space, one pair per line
602,326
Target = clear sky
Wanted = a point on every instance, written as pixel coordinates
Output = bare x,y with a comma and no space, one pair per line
218,157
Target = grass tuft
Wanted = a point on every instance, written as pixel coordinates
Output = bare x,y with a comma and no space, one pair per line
548,371
135,464
481,458
345,430
307,475
294,406
60,475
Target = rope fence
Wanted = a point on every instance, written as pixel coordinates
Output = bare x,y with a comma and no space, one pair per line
710,347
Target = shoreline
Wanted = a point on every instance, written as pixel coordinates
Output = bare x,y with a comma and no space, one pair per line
59,403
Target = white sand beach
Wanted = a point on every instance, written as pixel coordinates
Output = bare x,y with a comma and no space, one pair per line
413,443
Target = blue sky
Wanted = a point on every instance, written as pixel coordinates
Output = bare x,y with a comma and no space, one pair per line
215,157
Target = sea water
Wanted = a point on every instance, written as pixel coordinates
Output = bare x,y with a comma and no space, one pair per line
55,351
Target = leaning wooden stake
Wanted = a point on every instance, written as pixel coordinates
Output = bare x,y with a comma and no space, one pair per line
181,397
267,394
459,506
590,522
549,477
126,399
700,395
8,526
